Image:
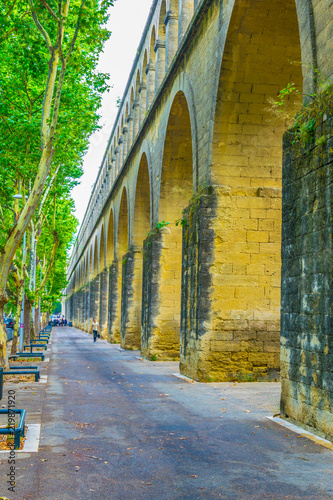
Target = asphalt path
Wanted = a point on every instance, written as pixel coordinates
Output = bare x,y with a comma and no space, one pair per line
117,427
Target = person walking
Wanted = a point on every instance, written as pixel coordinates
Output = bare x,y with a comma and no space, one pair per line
95,328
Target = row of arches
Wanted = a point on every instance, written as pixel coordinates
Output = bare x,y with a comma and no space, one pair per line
168,25
261,55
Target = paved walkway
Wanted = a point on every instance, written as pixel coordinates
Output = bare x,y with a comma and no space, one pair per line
116,427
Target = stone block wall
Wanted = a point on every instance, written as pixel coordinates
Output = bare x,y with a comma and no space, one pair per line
231,286
130,323
113,300
307,272
150,286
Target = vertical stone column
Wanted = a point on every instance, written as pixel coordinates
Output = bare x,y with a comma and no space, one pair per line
76,308
230,287
130,132
185,16
150,72
160,318
125,134
113,172
103,305
131,301
121,152
143,102
171,37
92,303
307,273
160,63
136,118
113,317
117,161
82,315
89,310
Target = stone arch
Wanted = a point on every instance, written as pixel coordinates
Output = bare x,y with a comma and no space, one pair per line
246,162
133,264
94,285
150,70
121,259
103,286
142,202
176,188
160,46
183,86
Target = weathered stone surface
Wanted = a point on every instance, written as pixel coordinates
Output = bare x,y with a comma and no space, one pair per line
130,309
307,274
113,329
224,310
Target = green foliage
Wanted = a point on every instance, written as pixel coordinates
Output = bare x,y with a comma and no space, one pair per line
24,73
153,357
303,124
56,308
193,202
161,224
157,228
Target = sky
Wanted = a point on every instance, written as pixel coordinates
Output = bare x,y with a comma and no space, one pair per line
127,21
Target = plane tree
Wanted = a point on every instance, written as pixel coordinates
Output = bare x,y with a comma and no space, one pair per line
49,99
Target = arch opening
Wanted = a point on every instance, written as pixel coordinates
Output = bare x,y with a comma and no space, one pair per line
131,310
262,55
110,240
175,192
122,240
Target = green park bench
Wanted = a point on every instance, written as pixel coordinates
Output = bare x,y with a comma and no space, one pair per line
23,370
37,341
27,355
31,346
19,430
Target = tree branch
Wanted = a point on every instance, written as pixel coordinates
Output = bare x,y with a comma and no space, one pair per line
40,28
77,28
49,267
51,11
47,190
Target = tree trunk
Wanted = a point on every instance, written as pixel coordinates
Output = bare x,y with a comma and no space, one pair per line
37,326
26,330
17,320
3,336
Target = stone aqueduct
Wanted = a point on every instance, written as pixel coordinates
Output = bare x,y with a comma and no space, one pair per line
195,139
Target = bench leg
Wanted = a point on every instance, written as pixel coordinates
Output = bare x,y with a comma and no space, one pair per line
17,440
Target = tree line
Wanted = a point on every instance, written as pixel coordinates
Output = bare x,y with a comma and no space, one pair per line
50,94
